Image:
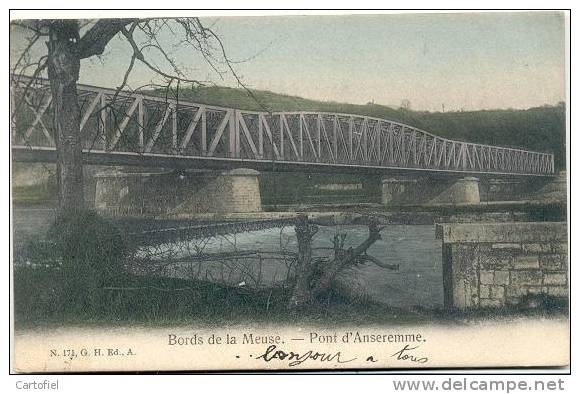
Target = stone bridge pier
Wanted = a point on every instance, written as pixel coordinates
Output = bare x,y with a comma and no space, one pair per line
231,191
457,189
172,192
412,190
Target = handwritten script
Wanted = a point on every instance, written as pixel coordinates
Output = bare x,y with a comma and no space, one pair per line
407,354
293,358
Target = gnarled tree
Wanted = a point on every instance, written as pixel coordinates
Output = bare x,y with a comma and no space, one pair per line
314,276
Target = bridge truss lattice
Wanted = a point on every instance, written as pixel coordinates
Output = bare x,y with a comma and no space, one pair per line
124,124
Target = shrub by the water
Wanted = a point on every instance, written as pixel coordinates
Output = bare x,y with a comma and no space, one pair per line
82,253
83,239
91,251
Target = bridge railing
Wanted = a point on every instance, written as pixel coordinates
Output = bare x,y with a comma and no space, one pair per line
148,125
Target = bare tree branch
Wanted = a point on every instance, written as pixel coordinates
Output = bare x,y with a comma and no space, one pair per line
25,53
37,26
378,262
98,37
137,52
230,66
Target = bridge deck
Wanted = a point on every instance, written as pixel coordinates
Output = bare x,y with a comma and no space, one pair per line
139,129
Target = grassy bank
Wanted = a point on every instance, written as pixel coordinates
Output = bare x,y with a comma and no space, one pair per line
41,299
35,195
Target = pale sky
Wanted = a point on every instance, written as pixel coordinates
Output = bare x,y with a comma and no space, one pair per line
469,61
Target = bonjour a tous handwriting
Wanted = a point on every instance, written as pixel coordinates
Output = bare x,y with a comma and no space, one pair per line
273,353
293,358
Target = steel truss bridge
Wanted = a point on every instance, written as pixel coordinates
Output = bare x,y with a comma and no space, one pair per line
127,128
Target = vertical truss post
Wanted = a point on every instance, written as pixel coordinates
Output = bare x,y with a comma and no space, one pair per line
260,137
237,120
378,135
203,131
365,140
174,127
103,121
390,142
232,133
141,123
403,147
350,130
335,137
318,135
414,147
282,136
300,117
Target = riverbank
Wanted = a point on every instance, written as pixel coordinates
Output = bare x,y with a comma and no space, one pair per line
157,302
149,302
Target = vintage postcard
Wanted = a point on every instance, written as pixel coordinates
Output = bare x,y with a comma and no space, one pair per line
300,191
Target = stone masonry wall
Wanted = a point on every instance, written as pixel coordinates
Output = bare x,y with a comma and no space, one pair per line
500,264
234,191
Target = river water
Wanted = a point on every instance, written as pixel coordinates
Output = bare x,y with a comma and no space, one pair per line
418,282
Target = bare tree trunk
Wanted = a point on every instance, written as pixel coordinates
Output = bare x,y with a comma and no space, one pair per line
63,72
313,281
344,258
301,294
